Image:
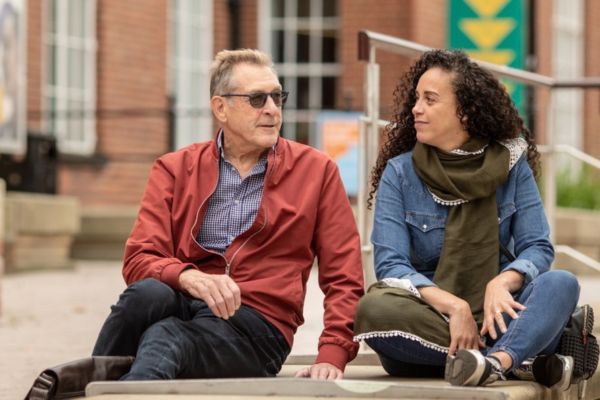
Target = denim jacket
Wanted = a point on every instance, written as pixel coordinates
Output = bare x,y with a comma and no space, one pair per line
409,226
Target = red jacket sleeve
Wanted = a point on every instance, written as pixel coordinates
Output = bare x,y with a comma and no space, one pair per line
337,245
149,252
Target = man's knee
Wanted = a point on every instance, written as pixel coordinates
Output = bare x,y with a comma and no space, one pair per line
149,295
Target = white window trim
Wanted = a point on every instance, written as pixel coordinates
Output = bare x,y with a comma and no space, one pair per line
289,68
86,144
190,129
568,36
18,144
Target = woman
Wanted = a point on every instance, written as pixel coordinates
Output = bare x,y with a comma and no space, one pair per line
454,184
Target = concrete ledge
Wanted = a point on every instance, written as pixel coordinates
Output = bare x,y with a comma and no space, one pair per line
576,226
41,214
579,229
360,382
2,199
39,230
104,231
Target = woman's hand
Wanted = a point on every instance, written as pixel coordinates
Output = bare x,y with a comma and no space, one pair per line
498,300
463,329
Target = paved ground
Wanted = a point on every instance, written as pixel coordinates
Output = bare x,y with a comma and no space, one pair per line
52,317
49,317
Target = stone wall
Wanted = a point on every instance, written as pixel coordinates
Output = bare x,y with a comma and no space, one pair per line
39,230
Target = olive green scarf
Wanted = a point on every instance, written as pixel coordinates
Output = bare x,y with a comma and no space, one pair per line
466,181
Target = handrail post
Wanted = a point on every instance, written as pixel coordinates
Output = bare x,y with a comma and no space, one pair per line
549,168
368,154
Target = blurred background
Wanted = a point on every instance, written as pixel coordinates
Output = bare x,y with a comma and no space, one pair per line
93,91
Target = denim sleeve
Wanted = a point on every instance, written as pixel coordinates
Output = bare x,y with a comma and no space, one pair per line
529,227
390,236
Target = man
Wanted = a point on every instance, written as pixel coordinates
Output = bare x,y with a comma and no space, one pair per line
226,235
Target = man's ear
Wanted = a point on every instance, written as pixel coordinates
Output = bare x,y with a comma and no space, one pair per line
218,107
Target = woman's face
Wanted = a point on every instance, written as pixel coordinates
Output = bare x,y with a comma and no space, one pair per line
436,121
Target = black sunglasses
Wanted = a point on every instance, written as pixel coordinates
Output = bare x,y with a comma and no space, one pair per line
259,99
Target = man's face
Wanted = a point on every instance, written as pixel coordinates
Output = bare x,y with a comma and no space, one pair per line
246,127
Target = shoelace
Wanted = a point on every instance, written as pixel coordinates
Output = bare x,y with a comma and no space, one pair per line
497,368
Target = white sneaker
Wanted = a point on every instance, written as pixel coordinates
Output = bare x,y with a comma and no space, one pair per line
471,368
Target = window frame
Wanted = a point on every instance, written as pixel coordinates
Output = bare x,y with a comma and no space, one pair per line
290,71
57,91
191,103
17,142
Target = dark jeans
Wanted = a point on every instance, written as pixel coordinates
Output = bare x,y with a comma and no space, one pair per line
174,336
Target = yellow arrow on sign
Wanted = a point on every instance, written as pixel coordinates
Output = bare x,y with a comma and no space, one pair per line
487,33
500,57
486,8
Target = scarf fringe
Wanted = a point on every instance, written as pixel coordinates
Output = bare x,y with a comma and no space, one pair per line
405,335
443,202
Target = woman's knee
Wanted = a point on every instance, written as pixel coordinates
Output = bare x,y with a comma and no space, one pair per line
374,310
560,279
561,283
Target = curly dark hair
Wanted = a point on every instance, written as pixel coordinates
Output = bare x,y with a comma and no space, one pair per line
481,98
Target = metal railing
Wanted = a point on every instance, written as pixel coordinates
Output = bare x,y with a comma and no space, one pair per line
370,124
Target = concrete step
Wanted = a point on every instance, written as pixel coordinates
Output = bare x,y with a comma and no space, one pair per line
39,230
104,231
360,382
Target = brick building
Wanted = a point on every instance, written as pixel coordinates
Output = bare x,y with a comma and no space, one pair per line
102,75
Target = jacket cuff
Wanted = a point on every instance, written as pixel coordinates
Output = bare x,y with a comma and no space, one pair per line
525,267
333,354
170,274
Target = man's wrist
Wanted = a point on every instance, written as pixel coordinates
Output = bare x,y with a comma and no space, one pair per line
334,355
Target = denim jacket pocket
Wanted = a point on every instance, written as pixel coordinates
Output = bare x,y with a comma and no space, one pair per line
505,212
426,236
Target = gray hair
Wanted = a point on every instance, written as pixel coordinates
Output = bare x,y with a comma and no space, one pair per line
225,60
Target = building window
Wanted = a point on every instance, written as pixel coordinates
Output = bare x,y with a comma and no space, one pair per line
191,56
301,36
12,77
70,89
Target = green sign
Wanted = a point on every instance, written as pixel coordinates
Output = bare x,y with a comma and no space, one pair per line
494,31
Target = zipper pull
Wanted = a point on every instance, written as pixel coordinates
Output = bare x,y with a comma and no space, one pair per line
227,268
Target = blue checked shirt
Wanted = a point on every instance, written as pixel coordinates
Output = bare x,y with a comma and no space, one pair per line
233,206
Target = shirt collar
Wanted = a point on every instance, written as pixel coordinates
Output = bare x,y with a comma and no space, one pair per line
222,150
260,166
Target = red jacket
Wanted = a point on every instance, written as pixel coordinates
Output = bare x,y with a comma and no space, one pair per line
304,212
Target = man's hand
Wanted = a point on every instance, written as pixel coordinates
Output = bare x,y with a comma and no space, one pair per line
220,293
323,371
498,300
463,329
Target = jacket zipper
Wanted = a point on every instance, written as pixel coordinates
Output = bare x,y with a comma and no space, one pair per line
228,263
227,268
265,182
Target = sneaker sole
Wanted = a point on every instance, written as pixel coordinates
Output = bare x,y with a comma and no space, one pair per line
464,369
